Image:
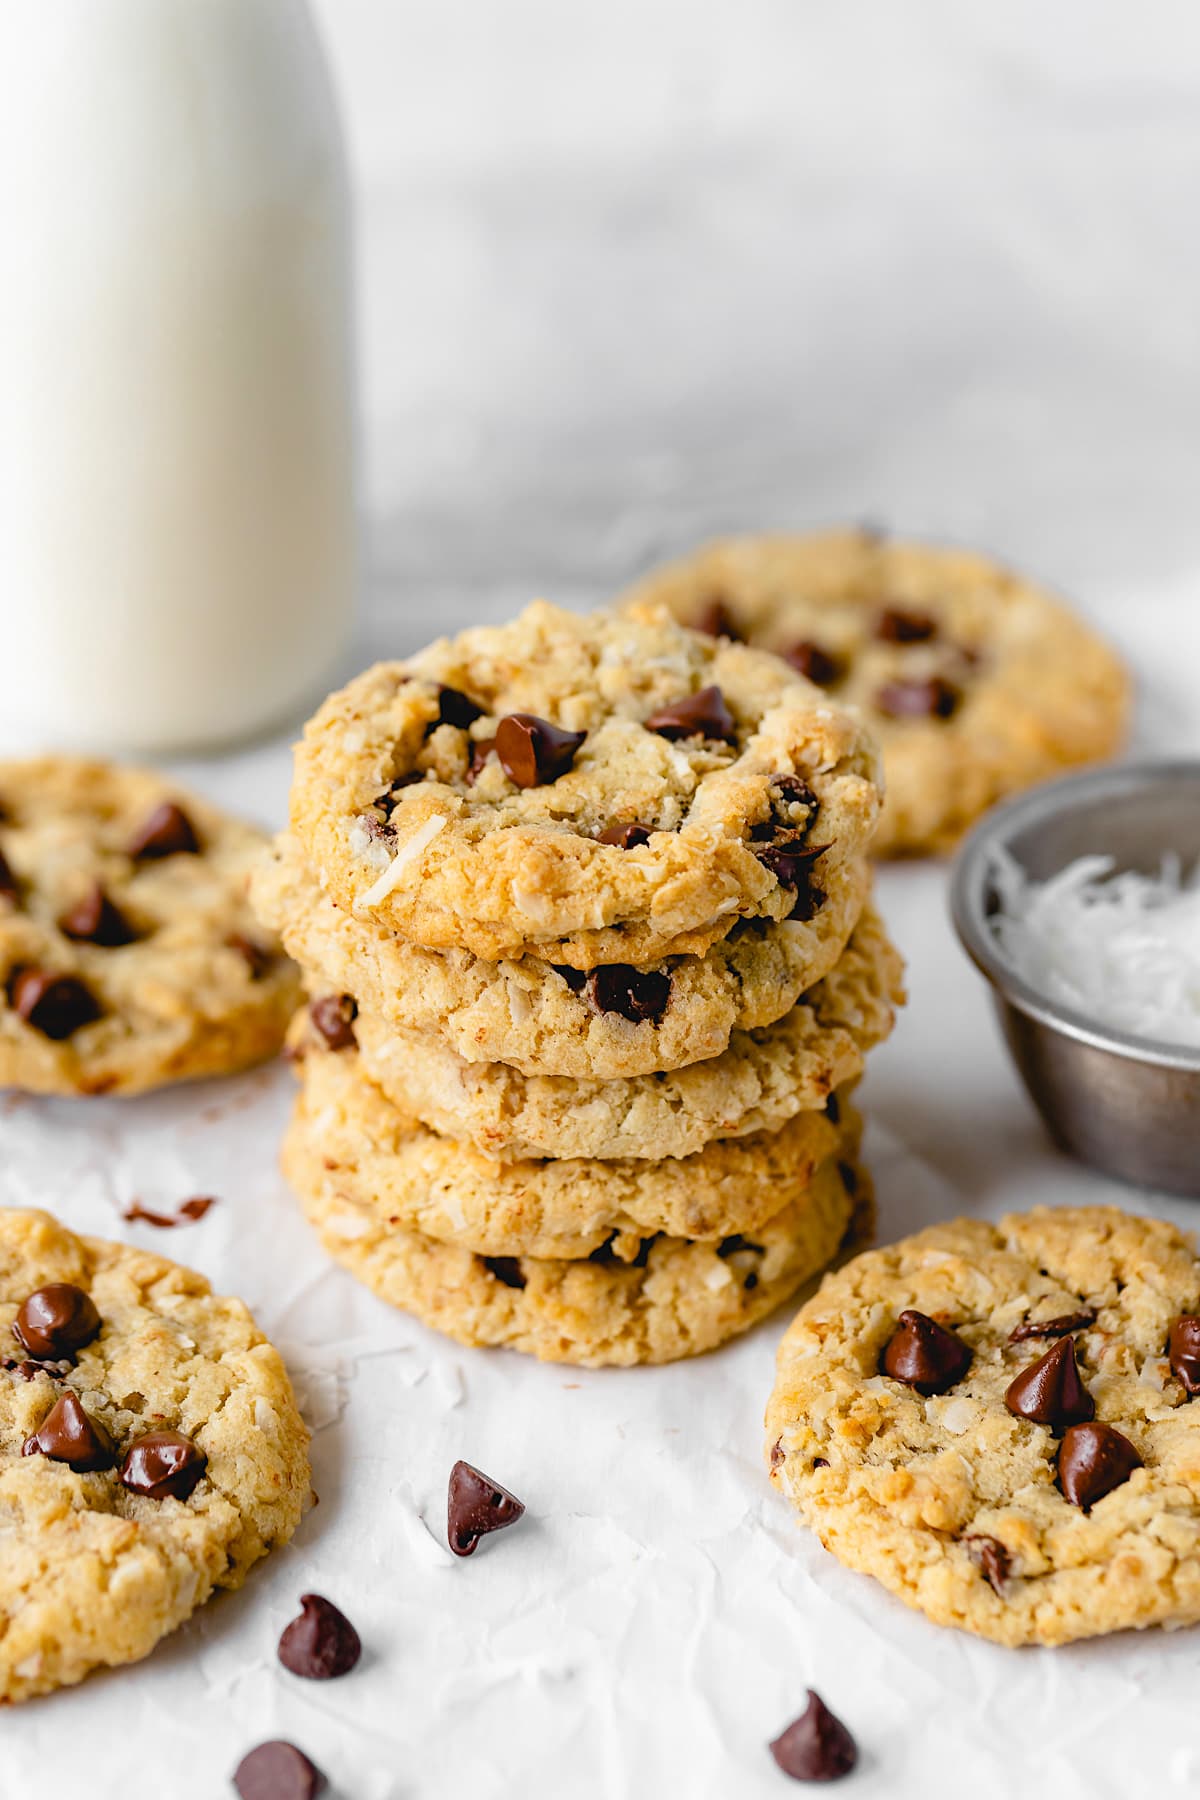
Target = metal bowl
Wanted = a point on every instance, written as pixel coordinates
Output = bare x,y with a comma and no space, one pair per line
1129,1106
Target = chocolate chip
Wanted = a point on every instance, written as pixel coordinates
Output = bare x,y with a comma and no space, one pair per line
833,1110
640,995
1059,1327
187,1211
95,919
751,1281
816,1746
162,1465
322,1643
715,619
481,749
792,866
924,1355
333,1017
849,1175
896,625
278,1771
9,889
778,1453
1183,1351
167,832
606,1256
813,662
56,1321
574,978
25,1370
457,708
931,699
626,837
475,1505
695,715
256,957
55,1005
731,1245
1051,1391
1094,1459
68,1435
533,752
992,1558
506,1269
787,793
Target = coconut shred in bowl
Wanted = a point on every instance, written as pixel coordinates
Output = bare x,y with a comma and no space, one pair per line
1122,949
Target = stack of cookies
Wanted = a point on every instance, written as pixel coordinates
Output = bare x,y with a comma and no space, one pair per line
582,905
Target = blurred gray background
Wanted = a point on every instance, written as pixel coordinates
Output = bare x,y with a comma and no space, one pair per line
636,272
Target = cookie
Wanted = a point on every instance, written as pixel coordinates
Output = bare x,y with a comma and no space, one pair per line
975,682
348,1141
544,1020
1030,1468
677,1299
586,790
761,1080
129,955
150,1451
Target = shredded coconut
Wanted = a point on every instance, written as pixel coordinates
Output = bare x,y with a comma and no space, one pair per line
421,837
1123,949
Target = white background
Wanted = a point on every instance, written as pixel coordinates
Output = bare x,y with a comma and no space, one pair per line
631,273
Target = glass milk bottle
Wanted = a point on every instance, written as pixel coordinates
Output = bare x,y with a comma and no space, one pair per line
176,469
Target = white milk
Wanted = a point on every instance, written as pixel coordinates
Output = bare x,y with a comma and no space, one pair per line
176,504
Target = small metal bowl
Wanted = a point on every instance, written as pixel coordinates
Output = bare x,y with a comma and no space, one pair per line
1129,1106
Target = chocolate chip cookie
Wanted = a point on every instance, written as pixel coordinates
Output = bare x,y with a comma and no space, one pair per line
615,1022
976,683
150,1451
997,1422
129,956
612,789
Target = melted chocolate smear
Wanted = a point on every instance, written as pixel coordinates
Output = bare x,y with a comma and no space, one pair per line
185,1214
475,1506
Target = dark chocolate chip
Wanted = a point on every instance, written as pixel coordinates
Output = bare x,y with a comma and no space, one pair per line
574,978
56,1321
992,1558
778,1453
896,625
813,662
787,792
457,708
1183,1351
506,1269
820,1462
95,919
849,1175
321,1643
68,1435
931,699
256,957
55,1005
715,619
187,1211
816,1746
278,1771
333,1017
606,1256
1051,1391
1048,1328
164,1465
833,1110
9,888
640,995
751,1281
731,1245
533,752
626,837
167,832
25,1370
790,862
695,715
481,749
924,1355
475,1505
1094,1459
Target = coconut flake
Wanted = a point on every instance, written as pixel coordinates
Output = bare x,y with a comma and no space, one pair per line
1122,949
407,853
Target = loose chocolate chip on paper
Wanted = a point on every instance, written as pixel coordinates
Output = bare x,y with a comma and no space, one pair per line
506,1269
321,1643
278,1771
626,837
69,1435
481,749
56,1005
333,1017
695,715
816,1746
457,708
924,1355
715,619
1049,1328
1183,1351
476,1505
1051,1391
1093,1459
167,832
992,1559
533,752
56,1321
95,919
813,662
897,625
932,699
639,995
162,1465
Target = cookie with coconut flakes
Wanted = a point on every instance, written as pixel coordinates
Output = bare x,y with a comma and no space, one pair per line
585,790
975,682
129,954
546,1020
997,1422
